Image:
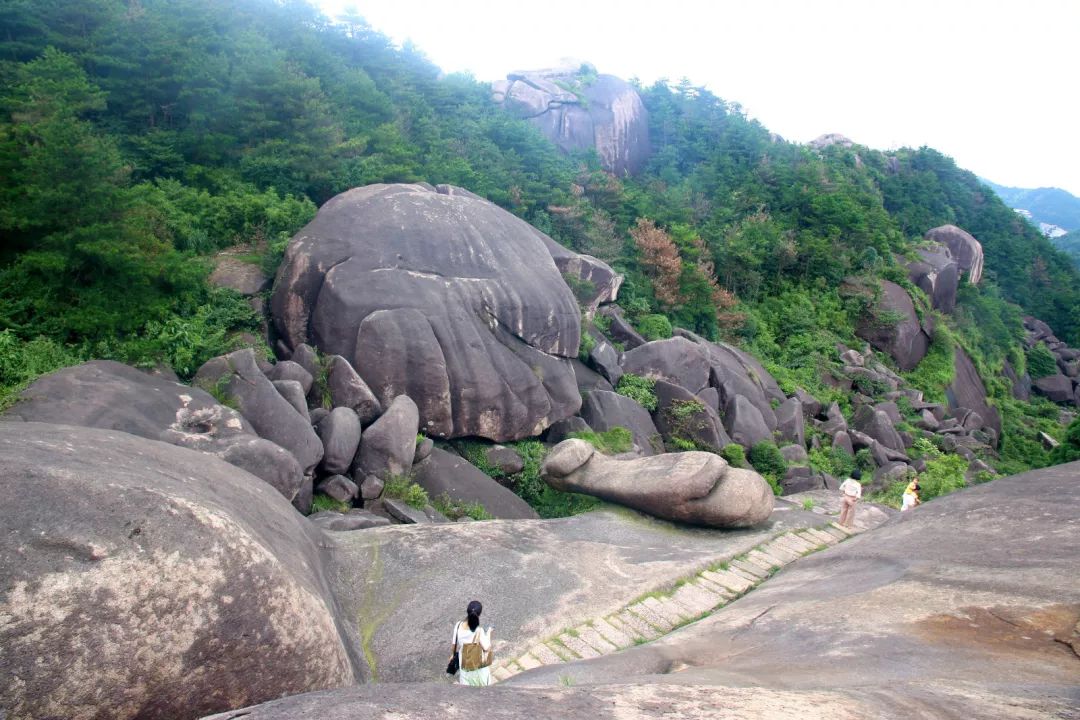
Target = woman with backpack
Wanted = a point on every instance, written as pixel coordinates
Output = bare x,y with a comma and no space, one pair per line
472,648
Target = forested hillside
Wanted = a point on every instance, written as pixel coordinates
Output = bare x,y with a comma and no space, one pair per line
136,139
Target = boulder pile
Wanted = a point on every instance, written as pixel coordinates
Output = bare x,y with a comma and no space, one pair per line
580,110
1060,383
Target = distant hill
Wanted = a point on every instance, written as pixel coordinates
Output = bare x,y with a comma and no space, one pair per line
1053,206
1070,244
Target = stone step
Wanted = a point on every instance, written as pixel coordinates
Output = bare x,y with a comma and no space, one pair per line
795,543
589,635
649,615
561,650
655,616
835,531
545,655
744,574
750,569
812,539
528,662
635,626
578,646
723,592
696,598
612,634
766,560
674,612
779,550
732,583
824,537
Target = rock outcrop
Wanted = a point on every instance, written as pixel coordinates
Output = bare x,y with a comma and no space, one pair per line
693,487
965,249
579,110
443,473
113,396
901,336
938,275
968,391
139,579
441,296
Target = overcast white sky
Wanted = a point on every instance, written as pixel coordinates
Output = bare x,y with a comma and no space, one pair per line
993,84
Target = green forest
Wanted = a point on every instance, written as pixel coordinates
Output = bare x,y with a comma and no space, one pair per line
139,138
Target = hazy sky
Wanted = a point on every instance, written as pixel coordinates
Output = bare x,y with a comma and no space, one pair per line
992,83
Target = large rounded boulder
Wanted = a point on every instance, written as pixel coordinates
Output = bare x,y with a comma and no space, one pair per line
441,296
579,110
143,580
900,334
963,246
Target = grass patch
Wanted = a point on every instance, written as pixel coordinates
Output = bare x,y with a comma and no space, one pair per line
405,489
610,442
321,502
456,509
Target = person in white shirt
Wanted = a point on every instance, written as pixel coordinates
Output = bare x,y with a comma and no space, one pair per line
850,493
470,633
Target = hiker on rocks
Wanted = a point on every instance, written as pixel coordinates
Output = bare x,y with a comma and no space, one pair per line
472,645
850,492
911,495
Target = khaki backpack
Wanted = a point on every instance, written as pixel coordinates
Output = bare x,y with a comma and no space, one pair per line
473,656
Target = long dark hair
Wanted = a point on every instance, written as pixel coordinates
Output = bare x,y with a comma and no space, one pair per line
473,614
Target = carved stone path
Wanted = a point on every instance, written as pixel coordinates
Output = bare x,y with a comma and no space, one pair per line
691,599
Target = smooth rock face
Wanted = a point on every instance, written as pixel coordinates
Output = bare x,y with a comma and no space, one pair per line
604,410
967,390
388,444
146,580
347,389
964,248
444,472
607,116
938,275
744,422
876,424
113,396
293,391
676,360
292,370
906,341
791,421
692,487
499,314
340,435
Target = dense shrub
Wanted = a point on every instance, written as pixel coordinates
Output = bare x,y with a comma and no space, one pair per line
639,389
654,327
767,459
734,454
1041,362
1069,449
22,361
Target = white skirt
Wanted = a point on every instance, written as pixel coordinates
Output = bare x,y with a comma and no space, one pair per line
478,677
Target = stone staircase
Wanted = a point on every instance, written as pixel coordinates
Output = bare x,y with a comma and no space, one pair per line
691,599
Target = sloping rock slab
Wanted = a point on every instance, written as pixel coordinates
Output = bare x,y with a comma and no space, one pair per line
445,473
142,579
692,487
967,390
966,606
500,321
